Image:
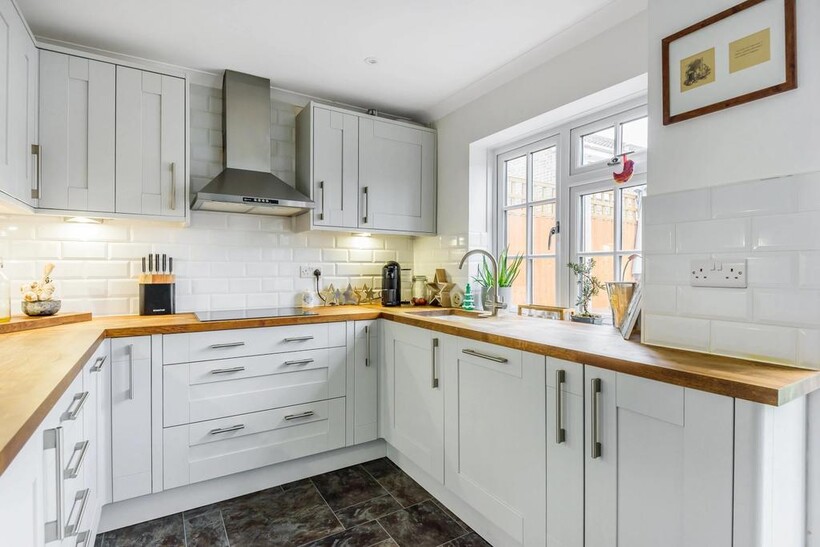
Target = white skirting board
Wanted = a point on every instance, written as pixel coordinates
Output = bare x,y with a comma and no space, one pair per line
813,512
133,511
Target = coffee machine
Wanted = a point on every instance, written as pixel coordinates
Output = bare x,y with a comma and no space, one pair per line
391,284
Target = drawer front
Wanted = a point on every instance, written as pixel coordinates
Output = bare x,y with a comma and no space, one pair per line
206,450
204,346
497,358
206,390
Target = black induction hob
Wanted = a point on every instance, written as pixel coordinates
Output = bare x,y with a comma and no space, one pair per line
252,313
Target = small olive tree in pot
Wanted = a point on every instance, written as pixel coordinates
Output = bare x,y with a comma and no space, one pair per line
588,287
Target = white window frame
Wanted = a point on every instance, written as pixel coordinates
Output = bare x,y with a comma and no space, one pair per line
614,120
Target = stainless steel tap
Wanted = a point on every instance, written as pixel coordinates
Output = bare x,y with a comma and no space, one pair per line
495,305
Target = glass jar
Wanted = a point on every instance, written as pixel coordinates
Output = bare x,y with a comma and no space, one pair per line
420,291
5,296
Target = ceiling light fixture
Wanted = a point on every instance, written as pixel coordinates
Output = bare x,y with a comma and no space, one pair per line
371,60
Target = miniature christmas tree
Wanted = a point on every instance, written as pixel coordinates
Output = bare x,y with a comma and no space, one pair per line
469,302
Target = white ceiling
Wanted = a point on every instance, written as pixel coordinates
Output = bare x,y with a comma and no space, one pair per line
428,50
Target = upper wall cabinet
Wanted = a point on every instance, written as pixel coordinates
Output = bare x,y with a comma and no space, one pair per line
150,143
77,109
365,173
18,106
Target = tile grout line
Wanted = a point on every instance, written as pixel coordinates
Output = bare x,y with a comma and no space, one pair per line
224,528
386,532
326,503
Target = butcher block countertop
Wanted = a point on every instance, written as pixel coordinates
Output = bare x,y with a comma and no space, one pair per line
37,366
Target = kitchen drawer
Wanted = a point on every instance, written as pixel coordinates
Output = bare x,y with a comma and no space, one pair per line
206,450
497,358
207,390
222,344
139,345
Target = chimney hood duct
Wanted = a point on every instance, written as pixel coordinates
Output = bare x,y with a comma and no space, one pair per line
246,184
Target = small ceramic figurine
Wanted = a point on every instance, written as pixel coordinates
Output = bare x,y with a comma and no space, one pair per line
38,296
349,296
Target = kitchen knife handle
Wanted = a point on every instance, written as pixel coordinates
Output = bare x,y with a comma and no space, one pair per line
170,264
150,263
143,264
164,262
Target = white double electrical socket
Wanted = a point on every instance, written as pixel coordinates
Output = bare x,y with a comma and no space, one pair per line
306,272
714,273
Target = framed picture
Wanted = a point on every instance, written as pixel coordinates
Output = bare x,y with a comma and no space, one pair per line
739,55
632,313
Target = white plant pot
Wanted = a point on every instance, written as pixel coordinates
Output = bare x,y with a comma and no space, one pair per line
505,295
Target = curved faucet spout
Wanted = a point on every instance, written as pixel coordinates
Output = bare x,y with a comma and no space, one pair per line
494,304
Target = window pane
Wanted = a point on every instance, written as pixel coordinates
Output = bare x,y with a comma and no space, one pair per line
634,136
597,147
631,201
543,174
543,219
516,174
633,270
598,221
516,222
603,270
519,288
543,282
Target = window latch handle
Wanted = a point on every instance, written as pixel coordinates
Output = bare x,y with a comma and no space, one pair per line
555,230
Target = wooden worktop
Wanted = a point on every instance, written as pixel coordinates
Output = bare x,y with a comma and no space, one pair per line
37,366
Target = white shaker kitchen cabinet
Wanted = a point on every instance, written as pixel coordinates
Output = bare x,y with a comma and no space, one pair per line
495,453
366,381
411,396
328,157
151,156
397,177
659,463
565,453
77,131
130,417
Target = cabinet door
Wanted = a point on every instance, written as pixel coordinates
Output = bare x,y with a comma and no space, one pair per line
659,464
150,143
21,494
397,177
131,417
495,455
565,453
76,133
366,381
8,20
412,397
335,168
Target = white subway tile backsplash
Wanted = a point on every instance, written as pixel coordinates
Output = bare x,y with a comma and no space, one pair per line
764,197
787,306
660,299
34,249
678,332
800,231
677,207
808,191
84,249
754,341
132,251
659,238
808,348
712,236
360,255
713,302
809,269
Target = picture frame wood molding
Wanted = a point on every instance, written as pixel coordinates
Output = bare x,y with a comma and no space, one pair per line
789,60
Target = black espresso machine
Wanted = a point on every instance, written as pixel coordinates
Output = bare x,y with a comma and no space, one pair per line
391,284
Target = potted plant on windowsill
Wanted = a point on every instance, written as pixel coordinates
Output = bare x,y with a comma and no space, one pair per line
508,270
588,287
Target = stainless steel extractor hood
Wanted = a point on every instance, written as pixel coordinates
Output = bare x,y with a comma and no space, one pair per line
246,184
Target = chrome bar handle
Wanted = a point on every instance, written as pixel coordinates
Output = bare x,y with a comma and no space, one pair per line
298,362
227,370
81,497
435,363
54,439
306,414
36,150
367,354
74,411
298,339
493,358
228,345
560,432
366,204
72,472
230,429
322,188
130,371
173,193
98,363
595,429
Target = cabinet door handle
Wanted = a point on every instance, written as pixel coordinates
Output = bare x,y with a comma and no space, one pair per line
560,432
298,339
298,362
595,429
53,438
130,371
321,214
366,196
173,193
230,429
76,406
98,363
36,150
307,414
435,363
228,345
487,356
71,528
71,472
227,370
367,341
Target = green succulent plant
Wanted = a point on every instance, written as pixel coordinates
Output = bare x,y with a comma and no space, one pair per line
588,284
508,270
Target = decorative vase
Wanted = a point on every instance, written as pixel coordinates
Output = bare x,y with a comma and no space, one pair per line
620,294
40,308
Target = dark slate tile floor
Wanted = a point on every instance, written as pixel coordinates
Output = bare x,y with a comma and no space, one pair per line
374,504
